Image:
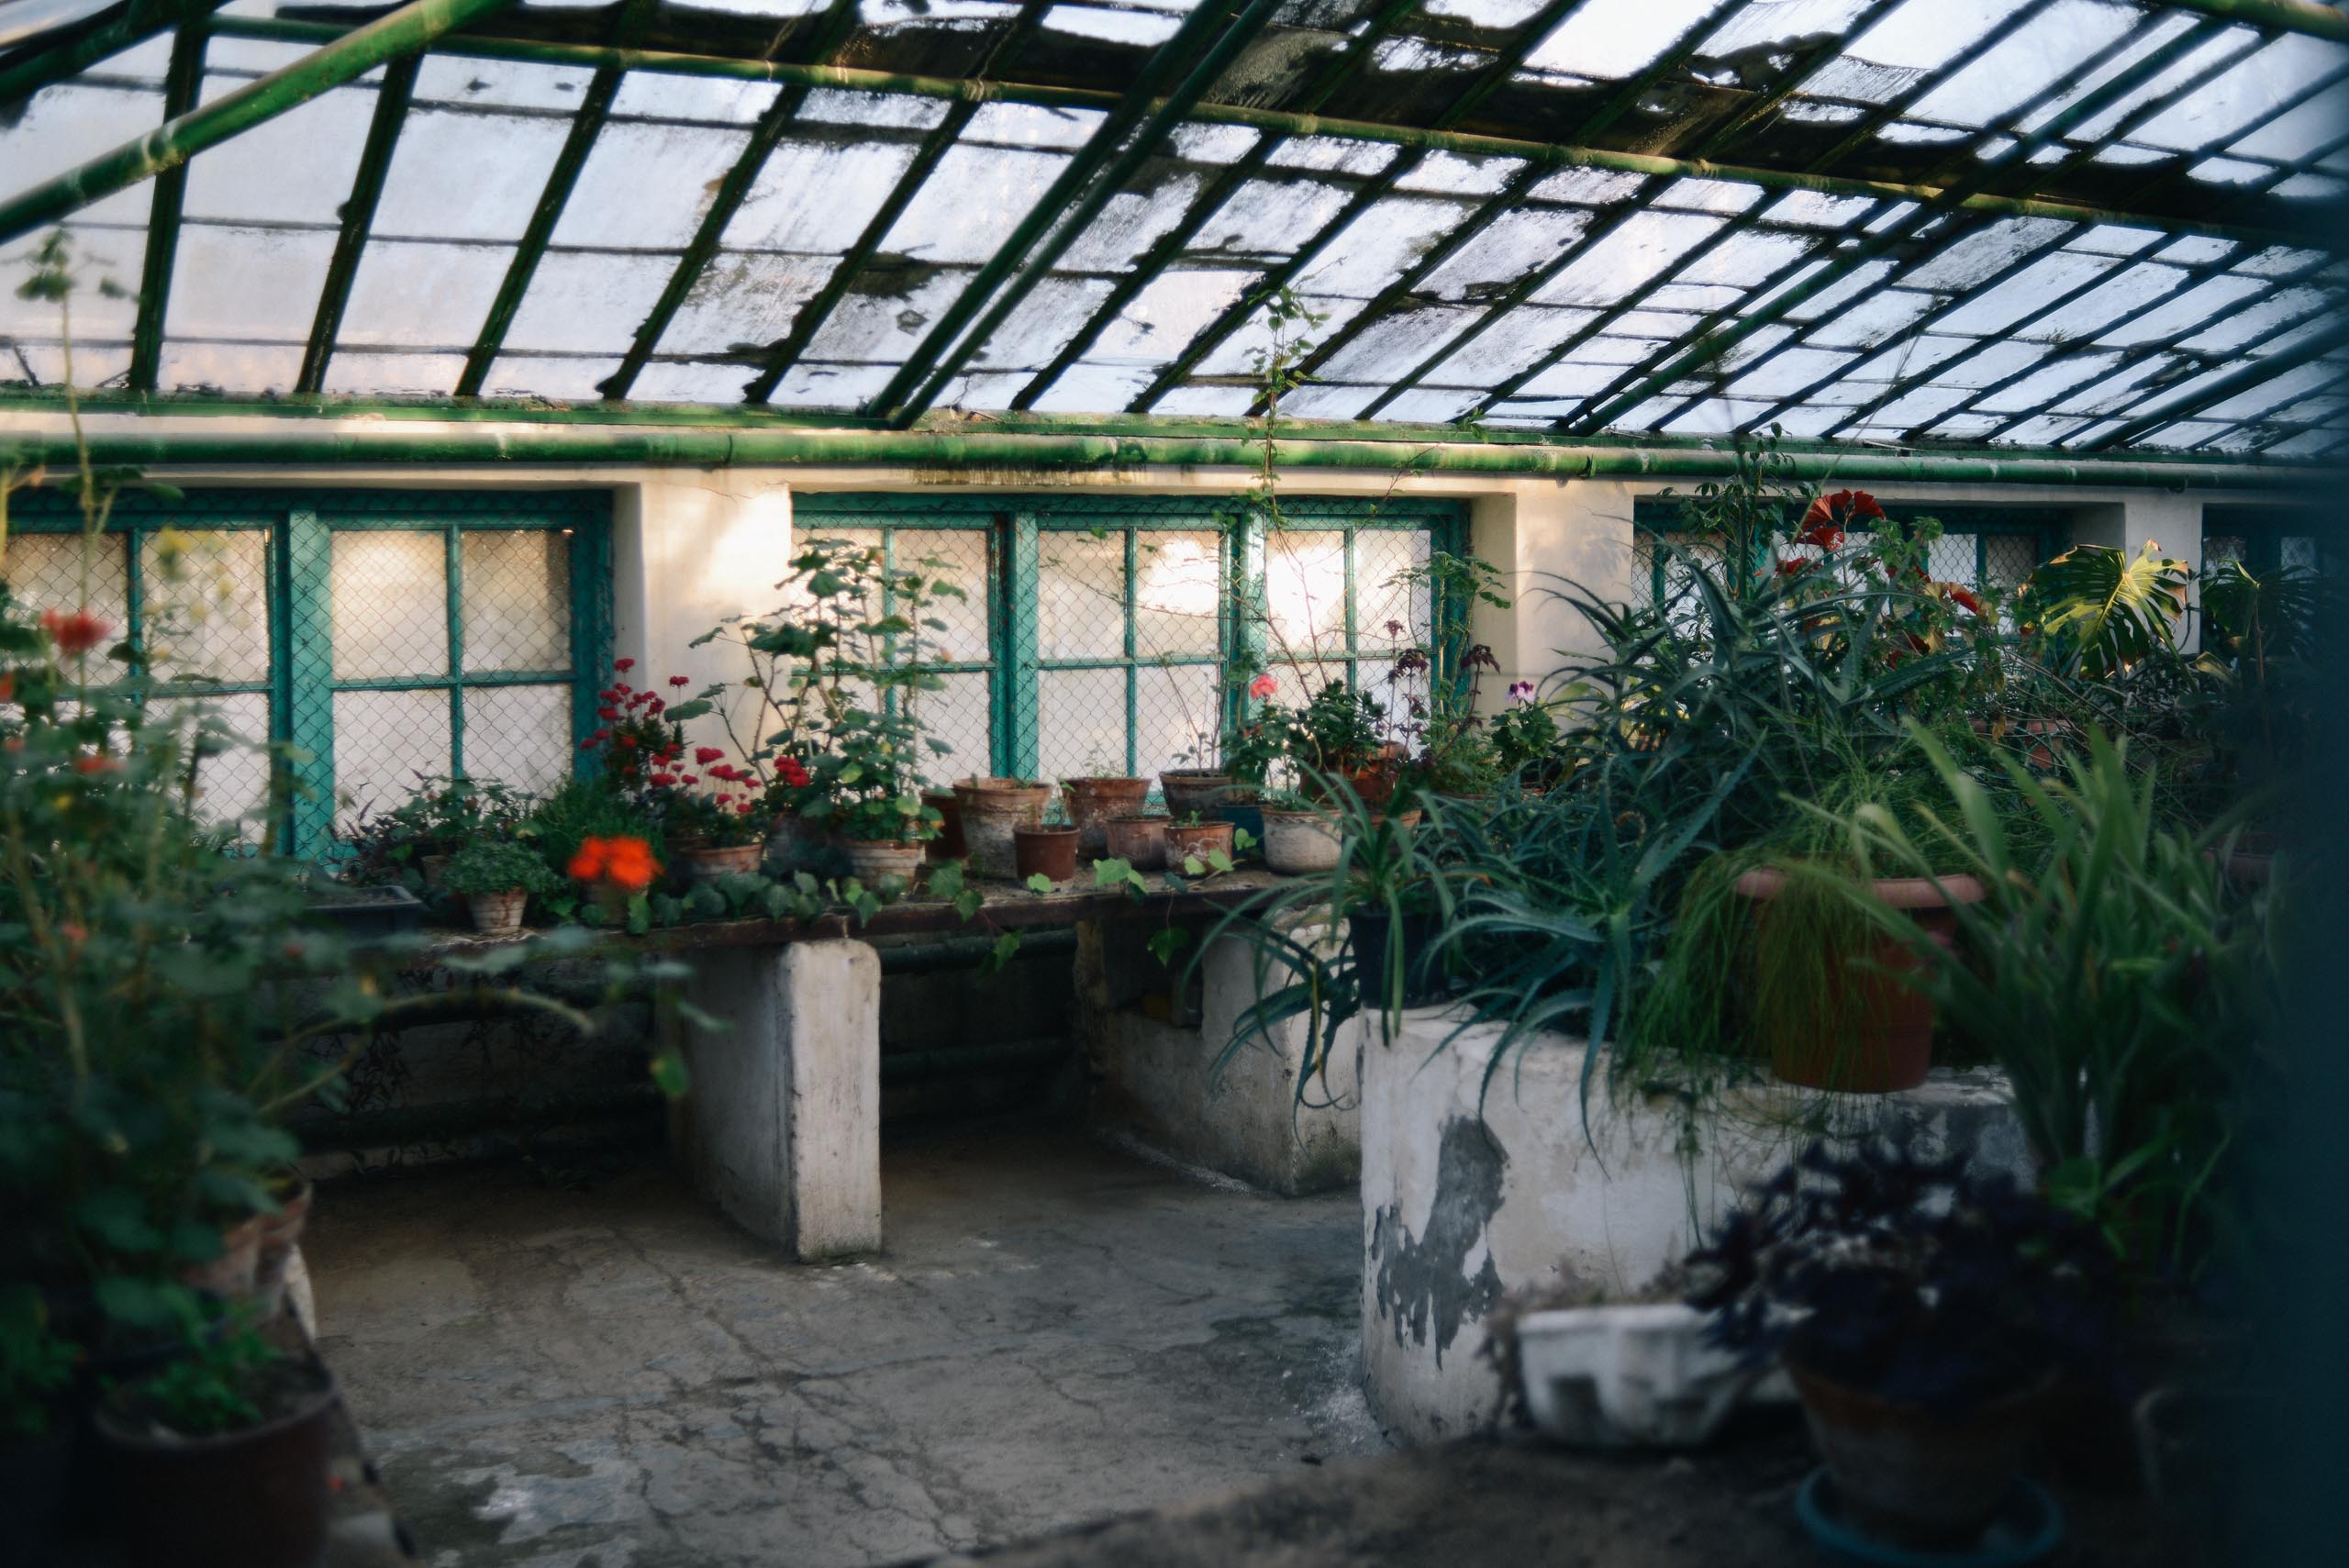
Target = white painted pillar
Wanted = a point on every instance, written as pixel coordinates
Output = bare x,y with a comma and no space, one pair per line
2173,523
781,1125
1546,535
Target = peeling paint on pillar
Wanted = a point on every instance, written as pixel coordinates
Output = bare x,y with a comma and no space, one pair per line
1424,1284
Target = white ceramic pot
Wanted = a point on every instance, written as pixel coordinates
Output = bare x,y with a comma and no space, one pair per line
1299,843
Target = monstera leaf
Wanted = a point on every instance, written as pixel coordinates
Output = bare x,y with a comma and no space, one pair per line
2255,619
2104,611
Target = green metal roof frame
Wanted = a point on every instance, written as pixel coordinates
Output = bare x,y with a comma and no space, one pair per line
2035,164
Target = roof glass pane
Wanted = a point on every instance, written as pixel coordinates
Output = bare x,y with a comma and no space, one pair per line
1170,311
817,196
971,201
296,168
589,301
66,126
644,184
1616,38
413,294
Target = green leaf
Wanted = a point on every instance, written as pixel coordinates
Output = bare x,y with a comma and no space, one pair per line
1038,883
1006,946
1194,866
669,1074
1165,943
968,901
639,914
1219,860
145,1303
117,1217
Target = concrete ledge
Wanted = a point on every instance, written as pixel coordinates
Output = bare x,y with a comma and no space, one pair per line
782,1124
1152,1058
1469,1193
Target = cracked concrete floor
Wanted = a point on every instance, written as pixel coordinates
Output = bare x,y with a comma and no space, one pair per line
616,1377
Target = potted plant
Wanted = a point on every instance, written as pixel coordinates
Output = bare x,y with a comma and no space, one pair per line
410,845
1140,842
497,878
1194,839
1924,1312
716,821
993,809
1301,837
1096,797
220,1459
1526,740
1049,849
883,834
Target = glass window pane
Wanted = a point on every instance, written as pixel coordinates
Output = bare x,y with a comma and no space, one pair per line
957,716
517,600
389,604
1305,589
232,774
385,745
206,604
1080,597
958,556
519,735
1080,722
1178,589
1176,717
70,572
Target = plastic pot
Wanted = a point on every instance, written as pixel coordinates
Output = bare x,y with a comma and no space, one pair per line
1093,802
1891,1046
253,1498
1194,789
872,860
709,862
993,809
498,914
1140,842
1300,843
1372,932
1196,840
1048,853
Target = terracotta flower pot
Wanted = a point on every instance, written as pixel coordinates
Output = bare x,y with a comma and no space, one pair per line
993,809
1140,842
948,845
1093,802
793,842
1194,789
1300,843
498,914
279,1233
1186,841
1892,1048
1910,1478
431,867
230,1275
711,862
1049,852
252,1498
874,860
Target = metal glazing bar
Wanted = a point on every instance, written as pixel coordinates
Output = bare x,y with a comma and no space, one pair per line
182,84
358,218
2284,429
35,67
1209,38
1211,198
2242,378
173,144
1790,81
453,580
1726,329
724,204
2282,16
1662,65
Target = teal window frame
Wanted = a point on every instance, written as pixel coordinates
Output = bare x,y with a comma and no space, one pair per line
2264,529
1017,527
2048,530
301,684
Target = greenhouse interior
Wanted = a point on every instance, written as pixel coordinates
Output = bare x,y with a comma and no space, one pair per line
1238,784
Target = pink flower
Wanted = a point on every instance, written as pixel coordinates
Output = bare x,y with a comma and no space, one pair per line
1521,693
623,665
1262,686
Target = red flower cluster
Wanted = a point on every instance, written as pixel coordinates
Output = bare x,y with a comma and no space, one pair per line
75,632
1830,515
788,771
623,862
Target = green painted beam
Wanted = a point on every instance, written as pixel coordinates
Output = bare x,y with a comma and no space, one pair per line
358,218
403,31
1210,39
2255,373
2280,16
982,455
182,84
1791,79
36,67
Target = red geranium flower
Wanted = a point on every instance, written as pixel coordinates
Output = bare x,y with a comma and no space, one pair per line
788,771
96,762
677,680
706,755
1964,598
75,632
623,665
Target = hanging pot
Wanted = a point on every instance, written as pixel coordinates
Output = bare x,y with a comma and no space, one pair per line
1093,802
1890,1046
252,1498
1140,842
1048,853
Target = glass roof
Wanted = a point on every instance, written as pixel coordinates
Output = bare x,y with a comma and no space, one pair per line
2074,224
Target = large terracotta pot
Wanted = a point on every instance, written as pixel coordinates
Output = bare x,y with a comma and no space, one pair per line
498,914
279,1233
1893,1048
948,845
1194,789
1300,843
1910,1478
993,809
1187,841
1048,853
1140,842
872,860
254,1498
1093,802
231,1274
709,863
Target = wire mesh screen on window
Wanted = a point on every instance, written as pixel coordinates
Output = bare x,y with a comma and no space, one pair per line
203,619
1128,666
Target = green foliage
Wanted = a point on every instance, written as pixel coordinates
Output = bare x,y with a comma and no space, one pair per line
498,865
35,1364
443,816
209,1389
2101,611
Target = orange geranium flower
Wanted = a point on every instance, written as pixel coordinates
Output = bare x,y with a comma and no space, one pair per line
625,862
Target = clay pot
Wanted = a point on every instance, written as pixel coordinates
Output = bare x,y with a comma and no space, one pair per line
1194,789
1300,843
280,1233
1140,842
792,842
1049,852
993,809
1194,840
252,1498
1907,1477
432,867
498,914
1093,802
231,1274
948,845
709,862
1894,1048
873,861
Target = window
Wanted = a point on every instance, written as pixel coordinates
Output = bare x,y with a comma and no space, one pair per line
2266,537
382,636
1099,628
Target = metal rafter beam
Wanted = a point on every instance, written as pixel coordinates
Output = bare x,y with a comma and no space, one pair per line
183,85
2281,428
1214,32
358,216
765,136
2211,394
1534,282
2280,16
35,67
353,55
1211,200
1726,329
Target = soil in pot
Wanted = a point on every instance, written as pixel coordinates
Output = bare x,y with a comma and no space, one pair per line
1194,840
1194,789
1140,842
1300,843
250,1498
496,914
993,809
948,845
1859,1030
1907,1476
873,861
1372,932
1093,802
1048,853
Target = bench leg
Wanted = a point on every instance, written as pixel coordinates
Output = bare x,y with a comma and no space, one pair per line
781,1125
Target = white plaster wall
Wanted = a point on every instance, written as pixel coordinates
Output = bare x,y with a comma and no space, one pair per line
1473,1190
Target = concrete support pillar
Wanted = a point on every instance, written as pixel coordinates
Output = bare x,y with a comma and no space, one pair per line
781,1125
2173,523
1546,535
